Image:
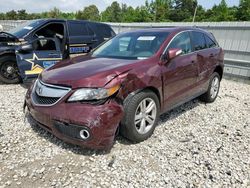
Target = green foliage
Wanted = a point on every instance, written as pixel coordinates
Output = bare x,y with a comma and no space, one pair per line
151,11
54,13
160,10
183,10
243,13
89,13
113,13
220,13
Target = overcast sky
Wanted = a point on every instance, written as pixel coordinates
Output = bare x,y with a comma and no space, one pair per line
74,5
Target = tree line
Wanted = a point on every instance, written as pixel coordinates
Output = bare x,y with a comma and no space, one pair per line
153,11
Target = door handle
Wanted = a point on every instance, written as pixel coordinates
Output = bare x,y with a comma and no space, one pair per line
94,40
211,55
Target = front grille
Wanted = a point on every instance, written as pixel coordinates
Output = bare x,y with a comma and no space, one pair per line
44,100
69,130
46,94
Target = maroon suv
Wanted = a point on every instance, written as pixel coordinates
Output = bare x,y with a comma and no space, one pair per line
125,84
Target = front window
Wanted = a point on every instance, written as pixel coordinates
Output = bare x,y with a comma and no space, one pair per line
23,29
183,42
132,45
44,45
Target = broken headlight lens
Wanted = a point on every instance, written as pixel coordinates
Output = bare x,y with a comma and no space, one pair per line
88,94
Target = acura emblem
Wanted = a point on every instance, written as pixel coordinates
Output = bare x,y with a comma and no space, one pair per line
40,90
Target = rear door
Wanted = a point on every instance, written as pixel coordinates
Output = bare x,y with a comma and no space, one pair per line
205,58
213,51
81,37
45,52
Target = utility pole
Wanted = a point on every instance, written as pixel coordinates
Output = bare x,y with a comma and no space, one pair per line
195,13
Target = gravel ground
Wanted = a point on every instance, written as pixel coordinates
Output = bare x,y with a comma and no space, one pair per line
195,145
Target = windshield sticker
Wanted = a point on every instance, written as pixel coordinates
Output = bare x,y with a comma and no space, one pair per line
146,38
28,27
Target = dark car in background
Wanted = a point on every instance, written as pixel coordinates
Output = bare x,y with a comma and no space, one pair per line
28,49
125,84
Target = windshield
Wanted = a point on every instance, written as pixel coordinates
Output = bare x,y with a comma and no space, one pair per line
132,45
22,29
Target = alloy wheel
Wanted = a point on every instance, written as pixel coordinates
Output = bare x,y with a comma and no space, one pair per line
214,87
145,115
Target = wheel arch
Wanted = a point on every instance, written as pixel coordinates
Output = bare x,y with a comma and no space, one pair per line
219,70
156,91
8,54
149,88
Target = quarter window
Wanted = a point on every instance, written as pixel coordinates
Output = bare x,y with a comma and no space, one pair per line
198,41
105,30
183,42
210,42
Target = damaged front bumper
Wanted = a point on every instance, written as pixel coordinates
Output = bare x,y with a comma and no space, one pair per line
88,125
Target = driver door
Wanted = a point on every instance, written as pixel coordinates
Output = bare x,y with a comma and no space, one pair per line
180,74
41,54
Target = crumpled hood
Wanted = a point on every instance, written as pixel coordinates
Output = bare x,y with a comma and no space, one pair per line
86,71
6,37
7,42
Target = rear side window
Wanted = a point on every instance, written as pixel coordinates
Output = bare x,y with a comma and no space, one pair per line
210,42
183,42
105,30
79,29
198,40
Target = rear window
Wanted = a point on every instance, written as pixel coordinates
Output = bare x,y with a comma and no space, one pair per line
198,40
105,30
79,29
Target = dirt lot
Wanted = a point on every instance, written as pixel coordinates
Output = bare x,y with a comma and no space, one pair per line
195,145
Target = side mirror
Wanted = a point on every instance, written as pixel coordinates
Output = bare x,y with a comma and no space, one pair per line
26,48
174,52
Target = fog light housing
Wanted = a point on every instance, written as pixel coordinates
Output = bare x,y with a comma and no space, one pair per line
74,131
84,134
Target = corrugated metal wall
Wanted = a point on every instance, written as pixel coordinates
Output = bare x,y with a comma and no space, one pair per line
10,24
233,37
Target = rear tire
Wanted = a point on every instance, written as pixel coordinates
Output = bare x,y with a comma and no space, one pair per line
9,70
141,116
213,89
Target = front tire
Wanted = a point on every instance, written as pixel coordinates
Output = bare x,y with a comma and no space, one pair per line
213,89
141,116
8,70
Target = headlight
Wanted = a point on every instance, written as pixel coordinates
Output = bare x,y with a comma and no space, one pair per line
87,94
